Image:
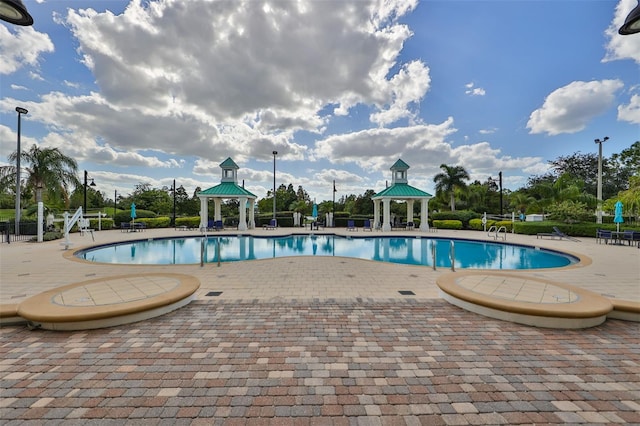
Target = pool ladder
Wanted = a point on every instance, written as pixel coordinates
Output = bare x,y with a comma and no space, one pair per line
494,232
452,254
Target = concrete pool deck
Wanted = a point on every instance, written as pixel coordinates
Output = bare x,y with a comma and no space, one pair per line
39,272
316,342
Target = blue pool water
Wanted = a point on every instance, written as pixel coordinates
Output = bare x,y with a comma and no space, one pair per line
404,250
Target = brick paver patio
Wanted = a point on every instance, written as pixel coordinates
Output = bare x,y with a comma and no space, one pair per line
360,362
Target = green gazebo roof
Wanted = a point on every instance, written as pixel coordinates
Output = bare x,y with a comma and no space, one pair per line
402,190
227,189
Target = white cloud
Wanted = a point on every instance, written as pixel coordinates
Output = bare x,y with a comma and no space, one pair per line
474,91
631,111
22,48
570,108
621,47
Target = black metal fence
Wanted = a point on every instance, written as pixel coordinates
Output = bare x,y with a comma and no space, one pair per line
27,230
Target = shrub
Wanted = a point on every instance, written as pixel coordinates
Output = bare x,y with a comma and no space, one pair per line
476,224
447,224
125,216
464,216
189,222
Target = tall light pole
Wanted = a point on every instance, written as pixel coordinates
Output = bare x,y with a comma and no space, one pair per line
115,204
500,182
333,218
84,205
274,185
20,111
174,203
599,208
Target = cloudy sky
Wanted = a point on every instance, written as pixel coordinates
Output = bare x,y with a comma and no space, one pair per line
151,91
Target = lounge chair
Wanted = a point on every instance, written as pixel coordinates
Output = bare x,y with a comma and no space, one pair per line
556,234
273,224
125,226
367,225
351,225
410,226
563,235
218,225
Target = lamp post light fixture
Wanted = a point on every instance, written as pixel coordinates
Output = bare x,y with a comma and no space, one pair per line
86,178
274,184
20,111
491,181
14,12
500,183
632,22
599,197
174,203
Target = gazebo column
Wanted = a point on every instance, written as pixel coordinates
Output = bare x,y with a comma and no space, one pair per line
242,225
409,210
204,212
217,211
386,214
376,214
252,213
424,215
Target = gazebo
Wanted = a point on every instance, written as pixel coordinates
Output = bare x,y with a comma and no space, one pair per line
228,188
400,190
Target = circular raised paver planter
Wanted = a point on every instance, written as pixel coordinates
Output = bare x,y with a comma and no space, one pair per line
108,301
525,300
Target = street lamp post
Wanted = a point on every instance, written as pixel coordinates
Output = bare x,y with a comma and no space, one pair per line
174,203
20,111
491,181
333,217
599,208
500,182
84,205
274,185
115,204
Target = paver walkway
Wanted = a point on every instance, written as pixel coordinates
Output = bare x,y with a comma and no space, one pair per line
325,362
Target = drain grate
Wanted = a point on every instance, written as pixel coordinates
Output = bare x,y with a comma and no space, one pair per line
406,293
213,293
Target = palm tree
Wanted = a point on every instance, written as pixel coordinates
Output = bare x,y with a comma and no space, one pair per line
46,168
450,179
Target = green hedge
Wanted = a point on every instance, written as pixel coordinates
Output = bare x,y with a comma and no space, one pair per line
575,229
189,222
464,216
447,224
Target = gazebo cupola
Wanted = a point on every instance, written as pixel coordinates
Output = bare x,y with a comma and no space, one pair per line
229,171
399,172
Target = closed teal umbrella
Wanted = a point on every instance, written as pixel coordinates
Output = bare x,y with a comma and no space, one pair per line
617,218
133,210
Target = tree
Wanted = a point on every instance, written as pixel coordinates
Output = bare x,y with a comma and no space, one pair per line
450,179
47,169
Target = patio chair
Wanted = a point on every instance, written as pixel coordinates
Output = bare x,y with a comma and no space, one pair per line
351,225
410,226
367,225
218,225
603,234
273,224
629,236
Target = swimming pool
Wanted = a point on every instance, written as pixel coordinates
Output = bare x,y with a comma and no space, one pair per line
404,250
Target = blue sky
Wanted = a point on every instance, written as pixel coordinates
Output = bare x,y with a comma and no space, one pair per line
151,91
